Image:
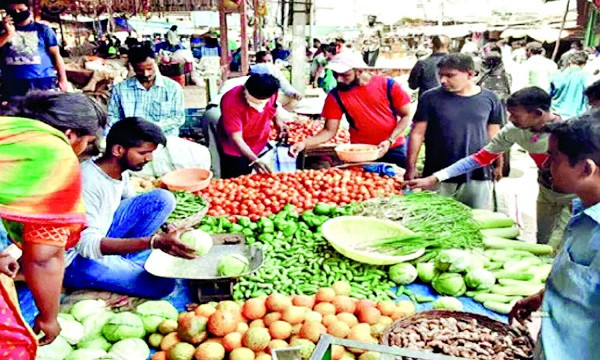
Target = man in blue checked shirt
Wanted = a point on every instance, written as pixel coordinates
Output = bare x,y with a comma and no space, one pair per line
570,303
148,95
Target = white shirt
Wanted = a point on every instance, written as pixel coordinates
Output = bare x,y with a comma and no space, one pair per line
102,196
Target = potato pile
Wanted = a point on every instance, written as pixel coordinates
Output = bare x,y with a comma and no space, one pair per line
250,330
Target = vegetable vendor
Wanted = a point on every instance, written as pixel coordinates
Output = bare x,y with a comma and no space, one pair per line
41,205
122,226
377,108
571,301
245,123
455,120
529,110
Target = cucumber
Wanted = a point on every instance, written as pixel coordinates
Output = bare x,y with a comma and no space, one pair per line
484,297
505,274
493,221
501,243
511,282
506,232
500,308
522,290
521,265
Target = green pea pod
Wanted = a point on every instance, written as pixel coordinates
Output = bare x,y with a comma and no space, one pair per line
244,221
206,228
236,228
323,209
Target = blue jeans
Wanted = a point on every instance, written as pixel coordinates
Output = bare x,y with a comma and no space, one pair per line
137,217
396,156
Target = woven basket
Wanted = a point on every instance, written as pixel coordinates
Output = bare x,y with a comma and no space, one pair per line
483,321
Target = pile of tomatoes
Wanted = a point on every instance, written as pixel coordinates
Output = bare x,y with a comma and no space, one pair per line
260,195
304,128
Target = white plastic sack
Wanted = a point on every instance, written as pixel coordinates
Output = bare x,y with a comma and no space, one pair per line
178,154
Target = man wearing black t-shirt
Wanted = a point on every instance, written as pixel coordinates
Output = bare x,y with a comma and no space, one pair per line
455,120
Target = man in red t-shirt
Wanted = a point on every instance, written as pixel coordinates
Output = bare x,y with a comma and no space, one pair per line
376,107
245,123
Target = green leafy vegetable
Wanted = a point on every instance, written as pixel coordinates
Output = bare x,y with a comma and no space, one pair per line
403,273
449,284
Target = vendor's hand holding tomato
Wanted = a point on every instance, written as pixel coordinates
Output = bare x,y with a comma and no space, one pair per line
49,327
297,148
524,307
170,244
423,183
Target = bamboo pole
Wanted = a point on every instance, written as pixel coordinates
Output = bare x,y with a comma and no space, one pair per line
562,27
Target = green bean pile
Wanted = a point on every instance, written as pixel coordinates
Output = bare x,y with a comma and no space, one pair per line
302,262
188,204
440,223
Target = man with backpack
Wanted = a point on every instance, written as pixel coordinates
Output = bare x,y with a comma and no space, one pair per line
376,108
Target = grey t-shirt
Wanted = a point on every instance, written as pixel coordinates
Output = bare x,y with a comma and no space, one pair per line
102,196
456,128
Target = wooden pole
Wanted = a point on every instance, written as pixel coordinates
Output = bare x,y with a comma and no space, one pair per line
224,41
244,37
256,29
562,27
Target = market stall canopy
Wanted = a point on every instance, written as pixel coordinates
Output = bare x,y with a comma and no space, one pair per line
540,34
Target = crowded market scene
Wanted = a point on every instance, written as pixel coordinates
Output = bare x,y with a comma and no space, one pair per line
299,180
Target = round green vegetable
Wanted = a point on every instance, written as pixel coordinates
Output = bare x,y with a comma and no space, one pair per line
58,349
480,279
449,284
426,271
97,342
84,308
232,265
123,325
130,349
86,354
448,303
403,273
198,240
453,260
155,312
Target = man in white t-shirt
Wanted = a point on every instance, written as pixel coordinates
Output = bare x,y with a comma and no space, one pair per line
122,226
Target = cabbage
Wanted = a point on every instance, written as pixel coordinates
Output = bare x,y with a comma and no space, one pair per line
403,273
130,349
155,312
449,284
232,265
198,240
480,279
66,316
71,330
86,354
426,271
92,325
85,308
123,325
453,260
95,342
57,350
449,303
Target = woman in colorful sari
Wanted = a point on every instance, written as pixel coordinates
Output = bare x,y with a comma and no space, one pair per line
41,205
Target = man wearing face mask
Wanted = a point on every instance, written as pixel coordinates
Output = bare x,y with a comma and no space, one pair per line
376,108
122,226
245,123
29,53
148,94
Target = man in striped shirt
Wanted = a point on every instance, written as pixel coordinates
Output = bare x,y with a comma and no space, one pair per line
148,95
529,110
